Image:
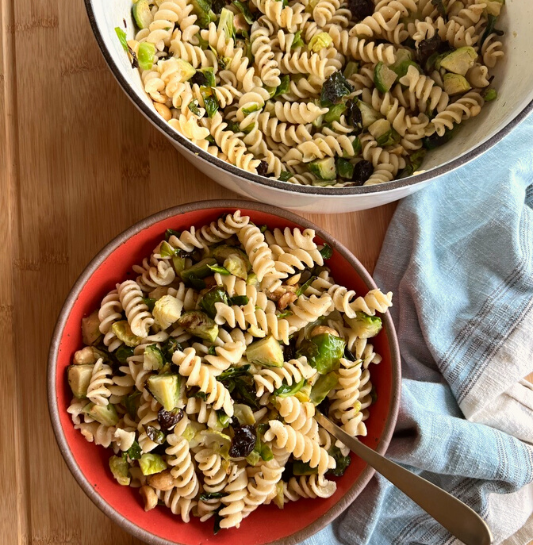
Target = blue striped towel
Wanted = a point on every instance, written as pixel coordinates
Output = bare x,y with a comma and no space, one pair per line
459,258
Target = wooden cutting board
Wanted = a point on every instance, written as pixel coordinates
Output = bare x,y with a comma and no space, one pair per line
78,164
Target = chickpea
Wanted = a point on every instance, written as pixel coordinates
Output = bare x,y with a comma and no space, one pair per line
162,481
163,111
149,496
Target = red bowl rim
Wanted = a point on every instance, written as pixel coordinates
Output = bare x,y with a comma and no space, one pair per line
53,408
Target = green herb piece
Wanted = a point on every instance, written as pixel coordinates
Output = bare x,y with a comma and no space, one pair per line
245,10
490,29
212,496
341,462
335,87
216,294
284,314
285,390
134,452
220,270
149,302
239,300
169,347
194,107
171,233
212,351
211,105
285,176
326,251
298,42
123,39
233,372
284,86
303,288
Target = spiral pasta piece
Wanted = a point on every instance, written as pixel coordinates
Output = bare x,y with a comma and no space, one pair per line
98,389
307,310
109,313
299,415
290,18
311,486
182,467
131,298
257,250
292,372
346,301
464,108
262,486
236,490
302,447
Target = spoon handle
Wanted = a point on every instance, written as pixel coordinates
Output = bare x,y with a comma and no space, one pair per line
461,521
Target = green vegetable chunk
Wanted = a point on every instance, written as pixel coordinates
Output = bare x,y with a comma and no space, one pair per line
146,55
323,352
490,95
237,265
319,41
199,270
335,113
266,352
132,403
153,358
120,469
368,114
459,61
351,68
203,12
200,324
334,88
414,162
384,77
124,333
455,84
79,378
303,468
365,326
166,311
244,414
245,10
142,13
216,294
341,462
324,169
151,464
106,415
90,328
166,389
344,168
323,387
226,24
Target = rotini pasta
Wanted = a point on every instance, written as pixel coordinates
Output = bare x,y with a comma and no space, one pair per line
217,364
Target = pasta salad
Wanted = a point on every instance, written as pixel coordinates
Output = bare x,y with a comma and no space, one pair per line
204,373
328,93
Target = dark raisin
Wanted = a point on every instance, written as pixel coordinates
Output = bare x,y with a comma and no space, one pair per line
362,171
289,352
243,441
353,115
426,48
168,419
199,78
157,436
361,8
262,169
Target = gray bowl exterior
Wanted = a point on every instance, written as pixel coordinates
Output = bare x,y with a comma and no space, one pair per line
513,80
53,402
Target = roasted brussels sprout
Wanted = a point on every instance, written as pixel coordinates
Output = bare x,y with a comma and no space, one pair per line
151,464
216,294
120,470
323,352
199,324
266,352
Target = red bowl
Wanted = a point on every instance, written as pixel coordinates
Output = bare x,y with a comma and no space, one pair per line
89,463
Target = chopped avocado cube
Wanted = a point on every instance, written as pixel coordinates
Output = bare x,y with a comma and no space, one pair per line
303,468
142,13
351,68
151,464
166,389
324,169
323,387
266,352
146,55
319,41
120,469
455,84
368,114
237,265
243,414
365,326
199,324
344,168
380,128
124,333
79,378
88,354
167,310
384,77
153,358
459,61
106,415
323,352
217,294
199,270
182,71
286,391
90,328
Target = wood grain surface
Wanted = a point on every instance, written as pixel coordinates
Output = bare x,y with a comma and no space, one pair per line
79,164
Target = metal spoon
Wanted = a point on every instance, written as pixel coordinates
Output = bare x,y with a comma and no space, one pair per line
461,521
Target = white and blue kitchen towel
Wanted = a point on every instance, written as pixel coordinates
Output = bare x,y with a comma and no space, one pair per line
459,258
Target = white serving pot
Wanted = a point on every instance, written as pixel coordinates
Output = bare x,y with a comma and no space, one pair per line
513,80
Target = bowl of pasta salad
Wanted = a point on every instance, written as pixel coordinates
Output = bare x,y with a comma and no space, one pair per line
323,105
189,361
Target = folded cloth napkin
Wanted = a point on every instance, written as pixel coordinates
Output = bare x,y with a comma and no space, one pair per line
459,258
